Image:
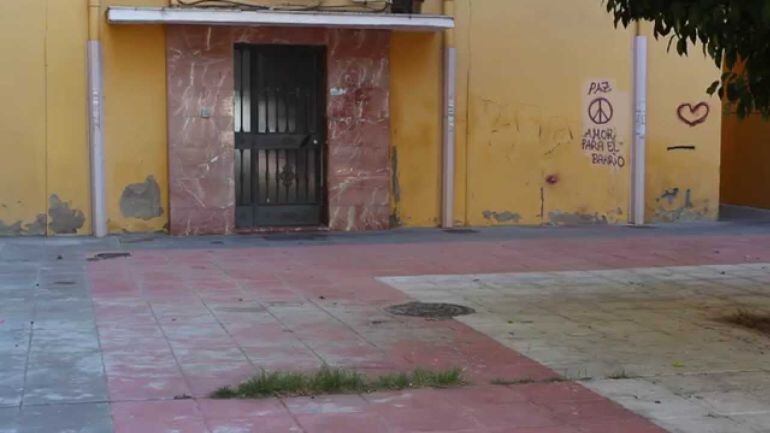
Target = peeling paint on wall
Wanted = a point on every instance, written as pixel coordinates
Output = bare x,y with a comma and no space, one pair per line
395,187
10,229
141,200
64,220
576,218
37,227
18,228
502,217
681,214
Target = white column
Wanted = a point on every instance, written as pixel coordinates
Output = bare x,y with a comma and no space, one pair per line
639,147
448,159
96,137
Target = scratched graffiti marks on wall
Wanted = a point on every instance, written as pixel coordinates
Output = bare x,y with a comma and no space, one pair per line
600,137
674,206
500,121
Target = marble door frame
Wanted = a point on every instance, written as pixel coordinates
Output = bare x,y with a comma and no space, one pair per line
200,120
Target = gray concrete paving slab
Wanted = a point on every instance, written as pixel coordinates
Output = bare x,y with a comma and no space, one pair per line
9,420
650,340
54,377
66,418
49,348
565,318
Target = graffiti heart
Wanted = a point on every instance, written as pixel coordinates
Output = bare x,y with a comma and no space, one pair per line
694,115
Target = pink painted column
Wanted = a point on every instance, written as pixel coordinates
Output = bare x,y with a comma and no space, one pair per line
201,139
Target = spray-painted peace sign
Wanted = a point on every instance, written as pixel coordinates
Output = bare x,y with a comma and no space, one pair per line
600,111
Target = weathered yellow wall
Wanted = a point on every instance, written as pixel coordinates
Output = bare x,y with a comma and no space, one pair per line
135,116
416,128
22,189
524,68
745,156
44,170
45,173
529,65
68,155
416,101
682,184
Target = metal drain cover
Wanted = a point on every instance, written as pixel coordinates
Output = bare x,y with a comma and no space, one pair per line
430,310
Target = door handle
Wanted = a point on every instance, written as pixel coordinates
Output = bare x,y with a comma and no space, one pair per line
309,138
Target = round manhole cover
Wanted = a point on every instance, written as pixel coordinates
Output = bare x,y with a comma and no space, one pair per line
431,310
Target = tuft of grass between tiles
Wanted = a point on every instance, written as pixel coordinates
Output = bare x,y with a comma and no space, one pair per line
528,381
620,375
327,381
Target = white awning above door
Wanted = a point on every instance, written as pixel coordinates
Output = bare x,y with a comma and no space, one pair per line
237,17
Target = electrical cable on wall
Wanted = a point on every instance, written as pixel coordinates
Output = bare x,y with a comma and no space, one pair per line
318,6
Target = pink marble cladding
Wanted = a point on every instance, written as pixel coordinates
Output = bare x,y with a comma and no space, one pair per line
359,130
200,76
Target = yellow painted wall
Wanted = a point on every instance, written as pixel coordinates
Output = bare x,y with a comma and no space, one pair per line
523,71
522,114
22,80
135,115
416,127
745,155
43,120
682,185
45,171
524,68
529,65
68,155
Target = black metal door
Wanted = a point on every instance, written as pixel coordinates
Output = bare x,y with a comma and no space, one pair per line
279,135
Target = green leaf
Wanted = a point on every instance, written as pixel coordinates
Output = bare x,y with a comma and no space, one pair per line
681,46
735,34
713,87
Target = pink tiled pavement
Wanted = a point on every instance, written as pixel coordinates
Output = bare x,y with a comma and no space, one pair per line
176,324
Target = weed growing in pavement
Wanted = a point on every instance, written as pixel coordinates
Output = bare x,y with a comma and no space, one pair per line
528,380
620,374
329,380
